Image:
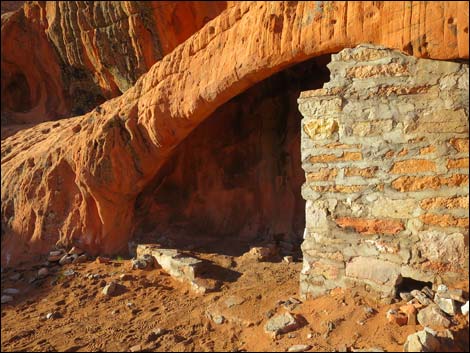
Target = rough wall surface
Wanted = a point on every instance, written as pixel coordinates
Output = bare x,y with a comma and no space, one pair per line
76,181
63,58
8,6
385,151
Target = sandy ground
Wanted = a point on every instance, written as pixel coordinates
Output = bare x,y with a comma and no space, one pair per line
151,299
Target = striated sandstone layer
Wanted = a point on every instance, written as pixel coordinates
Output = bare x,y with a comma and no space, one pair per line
8,6
63,58
77,180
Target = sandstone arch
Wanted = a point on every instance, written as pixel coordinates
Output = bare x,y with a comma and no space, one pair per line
76,180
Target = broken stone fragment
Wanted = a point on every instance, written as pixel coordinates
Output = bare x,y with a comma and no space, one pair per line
398,318
410,311
43,272
281,324
455,294
80,259
66,259
289,259
233,300
54,315
125,277
76,251
259,253
433,316
464,308
138,264
215,317
136,348
11,291
181,267
55,256
429,292
421,297
299,348
6,299
422,341
447,305
69,273
406,296
218,319
109,289
154,334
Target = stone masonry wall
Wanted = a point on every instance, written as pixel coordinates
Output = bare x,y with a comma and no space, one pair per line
385,153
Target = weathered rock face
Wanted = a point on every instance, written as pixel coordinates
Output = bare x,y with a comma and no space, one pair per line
387,181
77,180
8,6
87,52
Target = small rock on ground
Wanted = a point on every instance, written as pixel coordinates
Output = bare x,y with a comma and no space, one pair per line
136,348
152,336
54,315
281,324
218,319
289,259
299,348
11,291
76,251
464,308
43,272
109,289
6,299
406,296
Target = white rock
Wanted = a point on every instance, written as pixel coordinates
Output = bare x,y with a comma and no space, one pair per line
76,250
66,259
281,324
288,259
465,308
218,319
54,315
56,253
43,272
442,288
109,289
299,348
6,299
447,305
11,291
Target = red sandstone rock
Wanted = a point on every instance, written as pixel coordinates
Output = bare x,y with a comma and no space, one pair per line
398,318
62,58
371,226
77,181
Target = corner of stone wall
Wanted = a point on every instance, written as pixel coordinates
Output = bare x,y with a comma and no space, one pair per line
385,152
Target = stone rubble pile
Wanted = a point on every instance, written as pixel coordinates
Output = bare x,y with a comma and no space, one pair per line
429,308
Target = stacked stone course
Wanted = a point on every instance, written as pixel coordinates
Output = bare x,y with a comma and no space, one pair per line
385,152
